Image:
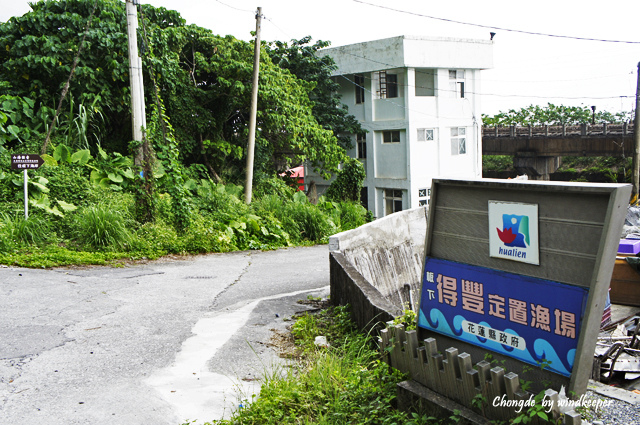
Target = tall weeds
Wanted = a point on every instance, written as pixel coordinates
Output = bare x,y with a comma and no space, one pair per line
100,227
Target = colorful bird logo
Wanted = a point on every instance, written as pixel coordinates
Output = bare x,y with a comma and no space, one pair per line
515,231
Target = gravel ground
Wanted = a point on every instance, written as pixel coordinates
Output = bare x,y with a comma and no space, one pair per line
612,412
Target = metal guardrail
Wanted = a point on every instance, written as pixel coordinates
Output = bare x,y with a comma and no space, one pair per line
584,130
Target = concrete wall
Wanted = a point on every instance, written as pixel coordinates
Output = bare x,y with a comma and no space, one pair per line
412,51
388,254
369,309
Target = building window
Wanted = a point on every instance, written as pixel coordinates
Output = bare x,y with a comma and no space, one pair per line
426,134
423,197
392,201
425,82
359,81
456,83
364,197
361,146
458,141
391,136
392,85
388,85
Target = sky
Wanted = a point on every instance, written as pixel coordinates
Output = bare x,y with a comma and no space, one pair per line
539,55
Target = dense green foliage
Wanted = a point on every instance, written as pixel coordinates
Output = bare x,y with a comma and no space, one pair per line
348,183
90,196
101,226
203,84
554,115
345,383
305,62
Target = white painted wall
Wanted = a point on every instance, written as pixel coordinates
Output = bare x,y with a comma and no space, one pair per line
411,165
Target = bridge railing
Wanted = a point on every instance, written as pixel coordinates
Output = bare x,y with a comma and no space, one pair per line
604,129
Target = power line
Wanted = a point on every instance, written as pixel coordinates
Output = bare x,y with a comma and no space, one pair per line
484,94
496,28
236,8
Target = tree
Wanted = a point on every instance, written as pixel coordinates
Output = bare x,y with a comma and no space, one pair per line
38,49
348,183
209,104
305,62
553,115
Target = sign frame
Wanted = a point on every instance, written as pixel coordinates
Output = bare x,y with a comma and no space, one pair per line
26,162
577,221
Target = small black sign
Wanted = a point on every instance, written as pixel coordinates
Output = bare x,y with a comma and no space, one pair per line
26,161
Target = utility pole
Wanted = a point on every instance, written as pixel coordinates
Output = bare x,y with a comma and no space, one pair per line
254,109
138,118
636,138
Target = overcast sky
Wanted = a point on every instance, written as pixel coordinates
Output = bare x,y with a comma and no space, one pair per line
528,68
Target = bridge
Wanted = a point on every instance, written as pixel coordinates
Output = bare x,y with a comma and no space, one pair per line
537,150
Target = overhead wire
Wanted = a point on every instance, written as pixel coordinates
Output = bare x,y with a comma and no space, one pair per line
493,94
496,27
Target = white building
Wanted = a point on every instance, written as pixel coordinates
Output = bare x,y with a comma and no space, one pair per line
418,99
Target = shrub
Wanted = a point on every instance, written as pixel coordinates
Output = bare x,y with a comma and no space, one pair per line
348,183
274,186
68,183
207,235
313,224
352,215
102,227
19,231
155,240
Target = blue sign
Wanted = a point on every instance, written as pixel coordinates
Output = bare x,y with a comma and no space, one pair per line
530,319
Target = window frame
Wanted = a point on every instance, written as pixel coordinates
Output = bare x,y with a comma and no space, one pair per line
458,140
361,146
358,79
393,198
391,139
423,134
457,78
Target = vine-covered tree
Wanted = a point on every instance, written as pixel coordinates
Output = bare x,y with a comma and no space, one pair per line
306,62
203,79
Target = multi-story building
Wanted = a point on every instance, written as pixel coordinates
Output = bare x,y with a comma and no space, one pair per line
419,100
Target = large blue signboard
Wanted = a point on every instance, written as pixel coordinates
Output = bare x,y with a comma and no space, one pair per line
530,319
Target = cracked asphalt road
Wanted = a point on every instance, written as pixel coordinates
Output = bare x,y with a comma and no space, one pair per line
157,343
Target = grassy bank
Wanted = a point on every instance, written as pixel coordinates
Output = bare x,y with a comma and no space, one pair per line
103,228
345,383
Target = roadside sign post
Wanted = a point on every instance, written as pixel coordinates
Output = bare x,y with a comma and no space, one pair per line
26,162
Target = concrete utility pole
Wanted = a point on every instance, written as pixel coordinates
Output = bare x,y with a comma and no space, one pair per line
138,116
248,187
636,137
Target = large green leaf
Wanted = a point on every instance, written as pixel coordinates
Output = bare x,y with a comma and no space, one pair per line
104,183
42,188
128,173
115,177
67,207
62,153
49,161
81,157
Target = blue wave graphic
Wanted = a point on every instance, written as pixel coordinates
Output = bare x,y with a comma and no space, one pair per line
542,348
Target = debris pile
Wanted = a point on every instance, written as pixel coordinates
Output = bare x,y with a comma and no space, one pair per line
617,355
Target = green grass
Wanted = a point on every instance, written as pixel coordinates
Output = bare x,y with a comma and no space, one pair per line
104,229
347,383
99,227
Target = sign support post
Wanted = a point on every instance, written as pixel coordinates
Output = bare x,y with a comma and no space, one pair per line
25,162
26,195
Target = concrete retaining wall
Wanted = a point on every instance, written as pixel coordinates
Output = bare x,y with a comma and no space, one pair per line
382,258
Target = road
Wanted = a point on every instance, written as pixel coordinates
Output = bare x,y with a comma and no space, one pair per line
158,343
